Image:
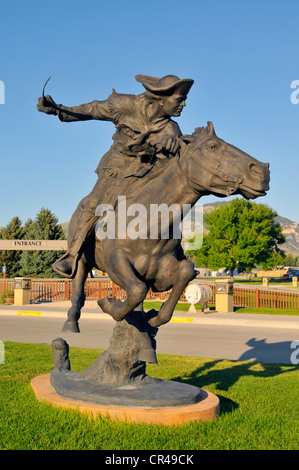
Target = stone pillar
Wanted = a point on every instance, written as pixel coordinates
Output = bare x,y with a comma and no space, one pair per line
22,291
224,295
265,282
295,281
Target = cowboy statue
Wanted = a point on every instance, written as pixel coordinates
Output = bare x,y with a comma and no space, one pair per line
145,137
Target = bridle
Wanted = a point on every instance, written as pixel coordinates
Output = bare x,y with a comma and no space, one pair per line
235,180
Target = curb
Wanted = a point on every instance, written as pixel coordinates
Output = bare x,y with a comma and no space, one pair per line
224,319
233,319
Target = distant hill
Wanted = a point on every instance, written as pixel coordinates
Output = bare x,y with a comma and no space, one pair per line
290,229
291,232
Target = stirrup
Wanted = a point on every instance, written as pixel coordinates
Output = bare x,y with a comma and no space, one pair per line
66,266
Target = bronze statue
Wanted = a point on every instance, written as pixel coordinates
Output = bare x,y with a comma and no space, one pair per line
145,132
150,162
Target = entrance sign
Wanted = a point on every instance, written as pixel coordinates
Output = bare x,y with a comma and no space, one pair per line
51,245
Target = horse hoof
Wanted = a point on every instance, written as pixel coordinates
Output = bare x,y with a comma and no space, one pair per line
107,304
110,306
150,314
71,327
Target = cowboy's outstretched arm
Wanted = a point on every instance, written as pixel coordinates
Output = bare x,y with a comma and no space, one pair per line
84,112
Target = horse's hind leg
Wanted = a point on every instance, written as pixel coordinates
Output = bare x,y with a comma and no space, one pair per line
78,298
122,273
178,274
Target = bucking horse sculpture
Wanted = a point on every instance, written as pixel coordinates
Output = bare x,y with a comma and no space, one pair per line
201,164
206,165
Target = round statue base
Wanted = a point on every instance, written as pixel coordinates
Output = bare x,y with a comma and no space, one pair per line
206,409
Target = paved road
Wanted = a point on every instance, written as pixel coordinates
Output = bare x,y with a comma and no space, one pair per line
263,338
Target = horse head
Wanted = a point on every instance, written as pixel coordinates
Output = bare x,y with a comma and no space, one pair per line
215,167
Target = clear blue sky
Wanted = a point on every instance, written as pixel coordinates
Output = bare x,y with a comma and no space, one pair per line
242,55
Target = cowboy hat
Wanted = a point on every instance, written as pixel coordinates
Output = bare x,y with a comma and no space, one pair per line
165,85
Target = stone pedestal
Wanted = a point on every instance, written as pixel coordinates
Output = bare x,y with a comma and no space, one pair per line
192,309
206,409
116,383
118,375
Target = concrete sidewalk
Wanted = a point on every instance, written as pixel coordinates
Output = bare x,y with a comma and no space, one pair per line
91,310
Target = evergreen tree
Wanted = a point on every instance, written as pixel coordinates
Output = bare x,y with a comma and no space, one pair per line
27,225
39,263
11,258
241,235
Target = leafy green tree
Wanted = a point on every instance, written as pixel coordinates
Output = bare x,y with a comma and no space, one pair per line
291,260
11,258
241,235
39,263
276,259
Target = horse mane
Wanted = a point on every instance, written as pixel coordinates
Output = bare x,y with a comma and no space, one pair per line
159,168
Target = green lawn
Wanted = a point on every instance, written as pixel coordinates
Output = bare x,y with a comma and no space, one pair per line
256,281
259,282
268,311
180,306
184,307
259,407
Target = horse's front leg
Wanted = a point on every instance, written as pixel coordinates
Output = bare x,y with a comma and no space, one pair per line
122,273
78,298
173,273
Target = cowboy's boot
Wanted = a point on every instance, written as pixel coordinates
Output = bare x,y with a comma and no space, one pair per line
66,266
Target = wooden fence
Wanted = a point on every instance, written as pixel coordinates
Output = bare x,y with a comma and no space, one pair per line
51,290
261,298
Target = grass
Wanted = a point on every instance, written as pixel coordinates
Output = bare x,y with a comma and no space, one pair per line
259,407
267,311
272,282
180,306
256,282
184,307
